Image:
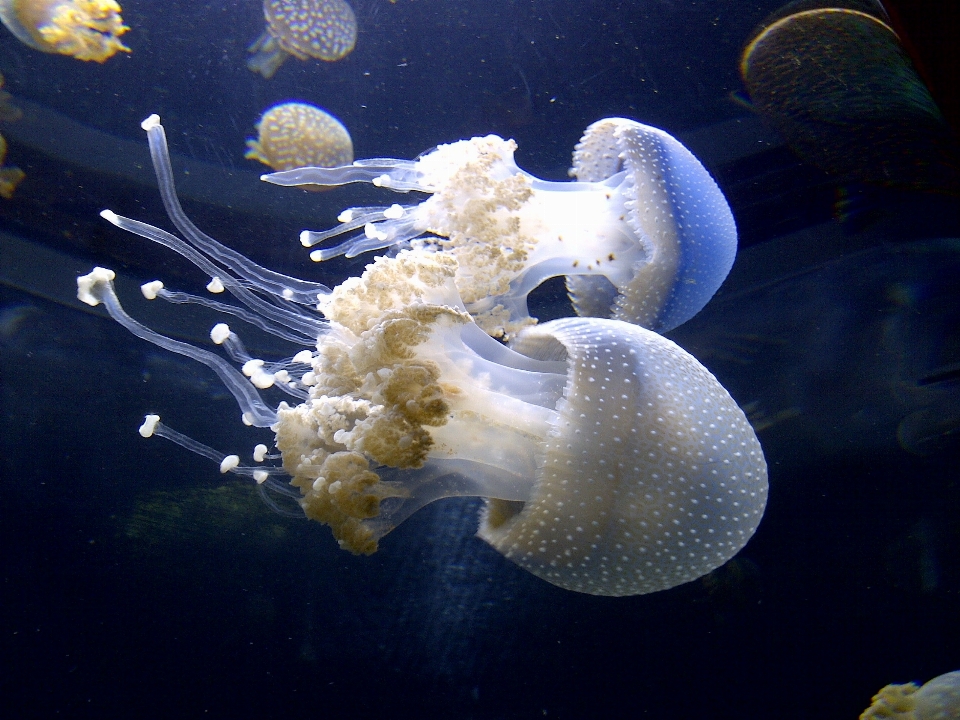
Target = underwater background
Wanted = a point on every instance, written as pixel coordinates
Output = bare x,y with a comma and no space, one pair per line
137,580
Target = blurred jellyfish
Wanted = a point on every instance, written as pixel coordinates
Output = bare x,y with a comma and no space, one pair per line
293,134
84,29
9,112
837,84
938,699
321,29
10,176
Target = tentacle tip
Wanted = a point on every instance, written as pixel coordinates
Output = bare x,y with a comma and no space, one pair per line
151,289
110,216
150,423
151,122
86,284
219,333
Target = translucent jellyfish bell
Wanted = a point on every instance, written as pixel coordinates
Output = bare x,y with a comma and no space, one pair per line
644,234
84,29
612,462
321,29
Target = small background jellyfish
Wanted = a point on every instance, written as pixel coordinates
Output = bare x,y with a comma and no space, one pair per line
840,88
84,29
293,134
321,29
938,699
10,176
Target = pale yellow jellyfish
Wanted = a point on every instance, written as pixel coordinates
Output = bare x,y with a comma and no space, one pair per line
293,134
321,29
84,29
938,699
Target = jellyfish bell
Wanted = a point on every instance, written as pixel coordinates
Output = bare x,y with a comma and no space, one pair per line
84,29
937,699
295,134
855,106
612,462
321,29
644,231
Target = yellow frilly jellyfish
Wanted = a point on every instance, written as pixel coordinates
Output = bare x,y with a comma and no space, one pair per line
84,29
321,29
293,134
938,699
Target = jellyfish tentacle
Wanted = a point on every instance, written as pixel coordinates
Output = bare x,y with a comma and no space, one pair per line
272,316
97,287
265,476
397,175
278,283
253,318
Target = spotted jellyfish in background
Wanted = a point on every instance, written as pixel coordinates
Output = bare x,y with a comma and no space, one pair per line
320,29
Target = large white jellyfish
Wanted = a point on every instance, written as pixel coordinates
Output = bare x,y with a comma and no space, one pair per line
612,462
644,234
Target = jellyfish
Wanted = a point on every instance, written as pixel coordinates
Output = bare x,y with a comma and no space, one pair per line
643,235
838,86
84,29
10,176
293,134
610,460
939,699
321,29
